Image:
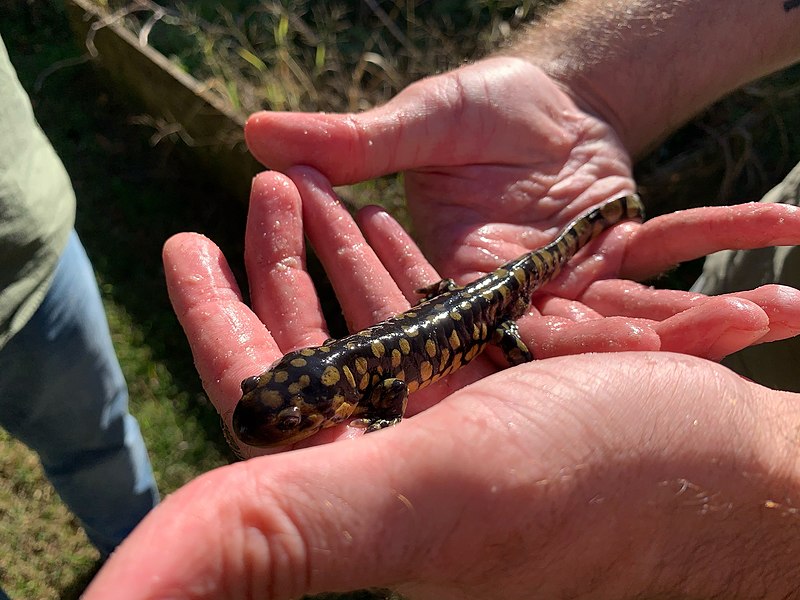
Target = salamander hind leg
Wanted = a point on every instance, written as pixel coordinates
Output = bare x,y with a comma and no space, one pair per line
386,406
507,337
435,289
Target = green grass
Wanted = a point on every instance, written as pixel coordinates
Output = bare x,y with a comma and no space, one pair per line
133,196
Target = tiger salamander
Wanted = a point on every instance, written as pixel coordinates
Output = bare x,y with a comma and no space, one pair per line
369,374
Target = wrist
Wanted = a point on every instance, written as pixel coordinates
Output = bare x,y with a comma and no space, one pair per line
647,66
689,493
717,517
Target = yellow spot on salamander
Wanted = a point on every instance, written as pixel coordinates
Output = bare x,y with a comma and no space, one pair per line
444,357
302,382
330,376
538,265
348,374
412,386
362,385
425,370
281,376
298,362
476,332
519,275
455,341
361,365
455,315
472,353
308,352
270,398
343,410
430,348
396,357
405,347
378,349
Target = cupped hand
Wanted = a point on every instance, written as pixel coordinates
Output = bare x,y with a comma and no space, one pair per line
497,158
375,277
614,466
621,475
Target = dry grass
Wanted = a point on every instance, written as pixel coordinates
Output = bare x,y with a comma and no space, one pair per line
352,55
335,56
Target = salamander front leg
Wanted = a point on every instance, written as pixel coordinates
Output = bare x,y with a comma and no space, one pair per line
436,289
507,337
387,404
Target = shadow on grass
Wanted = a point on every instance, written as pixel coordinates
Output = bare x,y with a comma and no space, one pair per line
131,196
74,590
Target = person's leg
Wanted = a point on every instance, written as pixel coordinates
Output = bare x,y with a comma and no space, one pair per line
63,394
773,364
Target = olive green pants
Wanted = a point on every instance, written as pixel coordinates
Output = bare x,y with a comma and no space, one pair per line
775,364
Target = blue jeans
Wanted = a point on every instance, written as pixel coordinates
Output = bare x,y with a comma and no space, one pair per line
62,393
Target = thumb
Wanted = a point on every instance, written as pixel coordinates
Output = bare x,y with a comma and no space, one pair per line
282,526
347,148
447,120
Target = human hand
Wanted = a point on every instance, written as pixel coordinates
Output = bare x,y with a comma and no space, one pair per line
230,341
282,526
622,475
497,158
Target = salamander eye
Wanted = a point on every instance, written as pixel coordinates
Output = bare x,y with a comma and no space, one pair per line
249,384
289,418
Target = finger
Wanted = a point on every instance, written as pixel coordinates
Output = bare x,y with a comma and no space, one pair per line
714,329
366,291
228,341
418,127
354,147
283,294
631,299
397,251
555,306
252,529
690,234
548,336
600,260
780,303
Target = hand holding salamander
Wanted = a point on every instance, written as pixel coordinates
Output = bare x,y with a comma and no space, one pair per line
370,373
230,340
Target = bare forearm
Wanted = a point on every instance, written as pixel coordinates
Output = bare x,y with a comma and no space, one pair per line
646,66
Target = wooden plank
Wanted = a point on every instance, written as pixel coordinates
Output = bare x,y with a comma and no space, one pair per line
210,131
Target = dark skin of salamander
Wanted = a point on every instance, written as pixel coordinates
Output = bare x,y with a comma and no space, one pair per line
369,374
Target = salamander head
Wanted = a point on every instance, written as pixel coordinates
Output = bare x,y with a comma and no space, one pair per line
296,397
